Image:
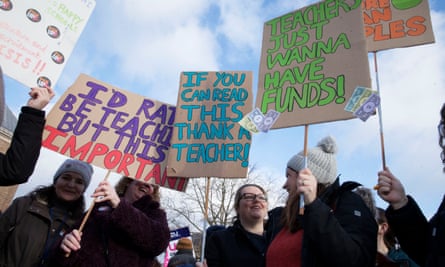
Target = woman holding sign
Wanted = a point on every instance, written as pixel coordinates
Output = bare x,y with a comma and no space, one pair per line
17,164
126,228
422,240
336,229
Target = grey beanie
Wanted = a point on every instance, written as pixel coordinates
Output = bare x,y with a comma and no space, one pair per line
320,160
73,165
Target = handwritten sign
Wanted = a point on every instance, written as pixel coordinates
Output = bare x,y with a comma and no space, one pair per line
312,60
37,37
113,129
207,139
397,23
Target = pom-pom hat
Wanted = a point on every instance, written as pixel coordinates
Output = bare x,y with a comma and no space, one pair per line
320,160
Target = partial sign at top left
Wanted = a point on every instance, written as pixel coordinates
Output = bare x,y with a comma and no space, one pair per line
37,37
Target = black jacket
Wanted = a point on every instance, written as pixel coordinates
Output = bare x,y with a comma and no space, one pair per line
18,163
423,241
339,229
233,247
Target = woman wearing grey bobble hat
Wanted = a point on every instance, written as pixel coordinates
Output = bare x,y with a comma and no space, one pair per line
336,229
34,224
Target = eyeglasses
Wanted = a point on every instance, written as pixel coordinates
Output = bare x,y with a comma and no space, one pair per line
253,197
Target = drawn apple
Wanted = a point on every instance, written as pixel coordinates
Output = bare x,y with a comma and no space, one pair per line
405,4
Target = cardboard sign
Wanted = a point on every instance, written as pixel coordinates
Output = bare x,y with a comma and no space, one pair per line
113,129
397,23
312,59
207,139
37,37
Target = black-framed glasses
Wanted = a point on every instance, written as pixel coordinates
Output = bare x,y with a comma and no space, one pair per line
253,197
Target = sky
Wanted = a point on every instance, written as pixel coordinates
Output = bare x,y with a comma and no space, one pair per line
143,46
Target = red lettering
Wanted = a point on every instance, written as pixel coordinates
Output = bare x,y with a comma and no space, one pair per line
53,133
70,145
128,159
378,33
155,173
416,26
397,29
98,150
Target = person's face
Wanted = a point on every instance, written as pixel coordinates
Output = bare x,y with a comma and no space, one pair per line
252,205
291,180
383,227
137,189
69,186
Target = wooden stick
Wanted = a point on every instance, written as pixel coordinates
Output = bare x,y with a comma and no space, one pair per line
379,111
87,215
206,216
379,108
306,129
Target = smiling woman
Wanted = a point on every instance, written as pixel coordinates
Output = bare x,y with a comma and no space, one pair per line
34,224
244,243
126,228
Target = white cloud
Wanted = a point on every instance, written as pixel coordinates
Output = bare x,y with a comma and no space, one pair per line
143,46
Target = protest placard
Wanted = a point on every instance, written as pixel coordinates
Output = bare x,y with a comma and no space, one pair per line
37,38
114,129
207,139
397,23
312,59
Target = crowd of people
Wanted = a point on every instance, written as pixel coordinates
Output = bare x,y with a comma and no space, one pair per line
339,226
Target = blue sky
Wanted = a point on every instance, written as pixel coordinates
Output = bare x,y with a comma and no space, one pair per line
142,46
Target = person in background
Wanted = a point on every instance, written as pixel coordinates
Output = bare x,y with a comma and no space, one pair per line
18,163
243,244
367,196
126,228
336,229
422,240
34,224
389,253
184,255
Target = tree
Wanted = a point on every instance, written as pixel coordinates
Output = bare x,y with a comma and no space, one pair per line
187,209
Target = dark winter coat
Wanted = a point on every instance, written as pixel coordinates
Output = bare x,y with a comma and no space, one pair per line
32,226
18,163
423,241
233,247
183,257
129,235
339,229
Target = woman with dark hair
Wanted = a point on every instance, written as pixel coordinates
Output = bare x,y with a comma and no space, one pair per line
126,228
33,225
389,253
243,244
423,241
